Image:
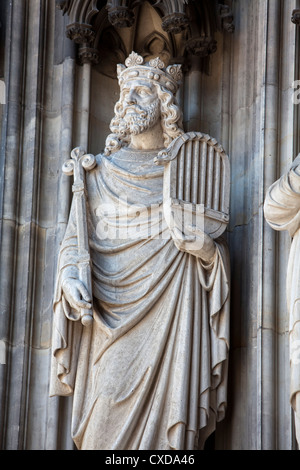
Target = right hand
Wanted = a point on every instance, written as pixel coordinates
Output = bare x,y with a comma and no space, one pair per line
76,294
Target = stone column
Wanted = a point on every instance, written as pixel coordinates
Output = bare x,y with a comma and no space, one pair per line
261,146
37,137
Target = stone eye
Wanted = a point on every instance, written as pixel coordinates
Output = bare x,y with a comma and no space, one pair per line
142,92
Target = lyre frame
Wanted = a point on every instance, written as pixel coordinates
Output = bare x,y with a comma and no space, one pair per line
206,151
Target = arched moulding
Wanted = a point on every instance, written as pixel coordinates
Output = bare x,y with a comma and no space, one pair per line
197,179
174,18
189,26
115,44
110,46
121,12
80,12
156,45
80,27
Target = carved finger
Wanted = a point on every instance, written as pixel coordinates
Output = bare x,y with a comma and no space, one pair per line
84,304
181,238
80,303
84,292
195,229
73,296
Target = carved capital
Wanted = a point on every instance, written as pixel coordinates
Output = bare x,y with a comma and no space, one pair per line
296,16
194,23
62,5
226,17
121,17
201,46
88,55
175,23
80,33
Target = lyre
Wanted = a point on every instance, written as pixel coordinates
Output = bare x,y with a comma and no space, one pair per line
197,178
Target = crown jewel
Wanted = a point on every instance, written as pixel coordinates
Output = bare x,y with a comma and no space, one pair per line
170,77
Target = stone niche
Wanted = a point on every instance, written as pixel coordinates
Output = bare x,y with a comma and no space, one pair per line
106,32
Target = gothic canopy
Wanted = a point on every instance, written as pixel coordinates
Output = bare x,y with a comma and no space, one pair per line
175,29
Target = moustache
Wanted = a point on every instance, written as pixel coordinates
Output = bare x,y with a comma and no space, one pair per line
135,109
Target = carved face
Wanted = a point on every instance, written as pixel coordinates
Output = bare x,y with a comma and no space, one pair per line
141,107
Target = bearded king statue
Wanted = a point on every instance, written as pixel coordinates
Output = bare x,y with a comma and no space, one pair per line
141,305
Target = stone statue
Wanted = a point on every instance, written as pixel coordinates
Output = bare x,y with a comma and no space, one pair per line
149,371
282,212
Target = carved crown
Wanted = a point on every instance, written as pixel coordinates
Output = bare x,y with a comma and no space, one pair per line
169,77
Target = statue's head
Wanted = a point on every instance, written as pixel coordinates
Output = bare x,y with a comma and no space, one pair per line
147,94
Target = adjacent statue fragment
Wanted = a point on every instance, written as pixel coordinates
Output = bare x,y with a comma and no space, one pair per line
150,371
282,212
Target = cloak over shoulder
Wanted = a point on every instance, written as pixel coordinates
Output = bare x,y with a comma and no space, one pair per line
151,373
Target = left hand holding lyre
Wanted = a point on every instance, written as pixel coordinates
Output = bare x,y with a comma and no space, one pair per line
194,241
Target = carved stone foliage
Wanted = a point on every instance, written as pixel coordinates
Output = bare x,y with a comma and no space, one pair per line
80,29
180,27
226,18
201,46
296,16
120,13
175,19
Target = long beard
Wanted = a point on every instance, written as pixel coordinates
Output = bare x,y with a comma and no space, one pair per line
140,120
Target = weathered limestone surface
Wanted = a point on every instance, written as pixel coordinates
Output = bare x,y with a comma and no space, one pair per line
141,317
282,213
244,101
36,135
261,142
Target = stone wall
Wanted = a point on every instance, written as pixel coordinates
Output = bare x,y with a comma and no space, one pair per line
243,99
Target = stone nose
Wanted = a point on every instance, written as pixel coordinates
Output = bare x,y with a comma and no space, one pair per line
130,98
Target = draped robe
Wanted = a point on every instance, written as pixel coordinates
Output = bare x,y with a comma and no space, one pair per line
151,372
282,212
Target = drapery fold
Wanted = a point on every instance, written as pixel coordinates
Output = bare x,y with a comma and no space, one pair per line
151,373
282,211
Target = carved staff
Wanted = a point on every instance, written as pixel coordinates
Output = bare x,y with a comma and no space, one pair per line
77,165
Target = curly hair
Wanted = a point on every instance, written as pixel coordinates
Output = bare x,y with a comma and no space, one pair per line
171,121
